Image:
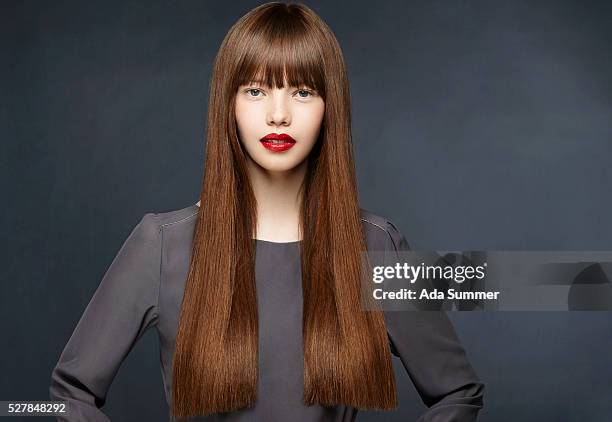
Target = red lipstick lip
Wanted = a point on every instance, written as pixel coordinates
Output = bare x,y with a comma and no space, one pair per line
281,136
287,142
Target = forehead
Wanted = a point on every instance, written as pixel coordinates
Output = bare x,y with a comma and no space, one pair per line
269,80
280,67
280,50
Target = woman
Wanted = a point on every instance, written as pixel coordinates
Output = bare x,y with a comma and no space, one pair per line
254,290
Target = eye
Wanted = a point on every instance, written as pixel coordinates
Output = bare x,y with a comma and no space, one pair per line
304,93
253,92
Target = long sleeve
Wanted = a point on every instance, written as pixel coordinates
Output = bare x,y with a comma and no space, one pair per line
431,353
122,308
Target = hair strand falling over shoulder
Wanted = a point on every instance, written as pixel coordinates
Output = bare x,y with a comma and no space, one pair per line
347,357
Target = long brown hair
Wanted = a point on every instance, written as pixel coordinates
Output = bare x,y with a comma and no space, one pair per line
346,350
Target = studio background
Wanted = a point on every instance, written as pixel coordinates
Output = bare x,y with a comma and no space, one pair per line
477,125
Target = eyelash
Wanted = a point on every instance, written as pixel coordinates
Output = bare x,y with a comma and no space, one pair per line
299,90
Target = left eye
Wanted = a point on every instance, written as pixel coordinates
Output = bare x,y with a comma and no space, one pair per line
304,91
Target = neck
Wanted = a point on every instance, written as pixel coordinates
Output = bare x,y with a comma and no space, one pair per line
278,201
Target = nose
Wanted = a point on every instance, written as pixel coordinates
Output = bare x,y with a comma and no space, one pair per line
279,113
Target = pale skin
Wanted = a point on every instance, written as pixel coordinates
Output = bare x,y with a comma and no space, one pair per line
276,176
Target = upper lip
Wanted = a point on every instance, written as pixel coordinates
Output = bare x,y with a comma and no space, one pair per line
281,136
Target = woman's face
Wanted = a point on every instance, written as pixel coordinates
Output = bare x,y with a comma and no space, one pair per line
262,111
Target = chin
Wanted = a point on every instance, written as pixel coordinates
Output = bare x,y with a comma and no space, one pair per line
280,165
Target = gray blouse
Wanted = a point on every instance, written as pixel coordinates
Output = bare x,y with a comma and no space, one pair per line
143,288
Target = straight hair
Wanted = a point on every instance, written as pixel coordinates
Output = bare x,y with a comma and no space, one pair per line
347,357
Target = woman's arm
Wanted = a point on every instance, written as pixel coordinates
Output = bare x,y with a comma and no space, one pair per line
431,353
123,307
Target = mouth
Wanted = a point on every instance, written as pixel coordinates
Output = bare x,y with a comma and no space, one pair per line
277,142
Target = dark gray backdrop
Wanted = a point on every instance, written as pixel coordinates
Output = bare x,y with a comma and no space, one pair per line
477,125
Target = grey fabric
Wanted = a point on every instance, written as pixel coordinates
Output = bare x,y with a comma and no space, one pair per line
144,286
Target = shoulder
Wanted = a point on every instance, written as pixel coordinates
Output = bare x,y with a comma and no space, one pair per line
381,233
150,230
156,221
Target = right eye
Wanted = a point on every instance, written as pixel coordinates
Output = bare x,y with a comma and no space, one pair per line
253,92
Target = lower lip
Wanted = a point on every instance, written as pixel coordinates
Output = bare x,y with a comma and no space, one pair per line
277,147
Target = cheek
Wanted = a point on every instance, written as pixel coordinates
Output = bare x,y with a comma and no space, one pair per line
309,128
246,118
311,120
319,115
241,116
